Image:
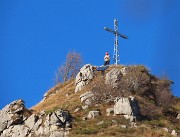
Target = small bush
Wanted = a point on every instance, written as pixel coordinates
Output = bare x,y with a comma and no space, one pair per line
162,93
150,111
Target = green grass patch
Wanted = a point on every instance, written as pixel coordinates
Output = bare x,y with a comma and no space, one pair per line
86,131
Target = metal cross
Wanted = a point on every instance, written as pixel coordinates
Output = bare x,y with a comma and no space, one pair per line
116,33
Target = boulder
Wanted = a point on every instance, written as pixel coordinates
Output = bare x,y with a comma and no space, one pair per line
85,76
127,106
93,114
173,133
64,117
112,77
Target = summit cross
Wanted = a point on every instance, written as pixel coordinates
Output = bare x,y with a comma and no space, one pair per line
116,33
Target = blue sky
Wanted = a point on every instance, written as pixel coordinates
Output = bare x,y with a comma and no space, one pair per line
36,35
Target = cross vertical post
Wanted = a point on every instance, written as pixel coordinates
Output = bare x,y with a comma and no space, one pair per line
116,56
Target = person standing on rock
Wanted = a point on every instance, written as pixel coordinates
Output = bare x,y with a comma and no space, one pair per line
106,59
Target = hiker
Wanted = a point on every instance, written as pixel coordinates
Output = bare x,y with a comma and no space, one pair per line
106,59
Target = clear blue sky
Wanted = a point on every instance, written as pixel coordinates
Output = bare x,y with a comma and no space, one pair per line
36,35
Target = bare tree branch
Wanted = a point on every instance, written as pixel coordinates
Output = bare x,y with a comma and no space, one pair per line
70,68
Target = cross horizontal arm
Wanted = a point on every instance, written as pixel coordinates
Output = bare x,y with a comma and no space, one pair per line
110,30
115,32
123,36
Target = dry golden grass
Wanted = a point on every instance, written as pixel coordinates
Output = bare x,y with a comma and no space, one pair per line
90,128
57,97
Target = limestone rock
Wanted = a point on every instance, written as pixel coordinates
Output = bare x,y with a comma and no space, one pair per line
166,129
84,118
124,71
87,98
86,95
133,125
85,76
12,114
17,121
77,109
93,114
16,131
173,133
100,123
64,117
109,111
178,116
112,77
128,107
123,126
84,106
30,122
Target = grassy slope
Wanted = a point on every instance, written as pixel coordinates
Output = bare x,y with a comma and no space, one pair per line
90,128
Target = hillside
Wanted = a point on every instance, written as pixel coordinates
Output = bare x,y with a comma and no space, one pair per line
159,109
108,101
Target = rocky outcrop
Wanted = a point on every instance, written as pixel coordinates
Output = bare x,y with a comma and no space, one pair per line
85,76
128,107
13,114
16,120
87,98
115,75
124,71
112,77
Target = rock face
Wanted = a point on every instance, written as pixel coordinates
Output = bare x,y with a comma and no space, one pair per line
127,106
124,71
12,114
85,76
113,76
17,121
87,97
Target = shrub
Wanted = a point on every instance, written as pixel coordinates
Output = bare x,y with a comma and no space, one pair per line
150,111
162,93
